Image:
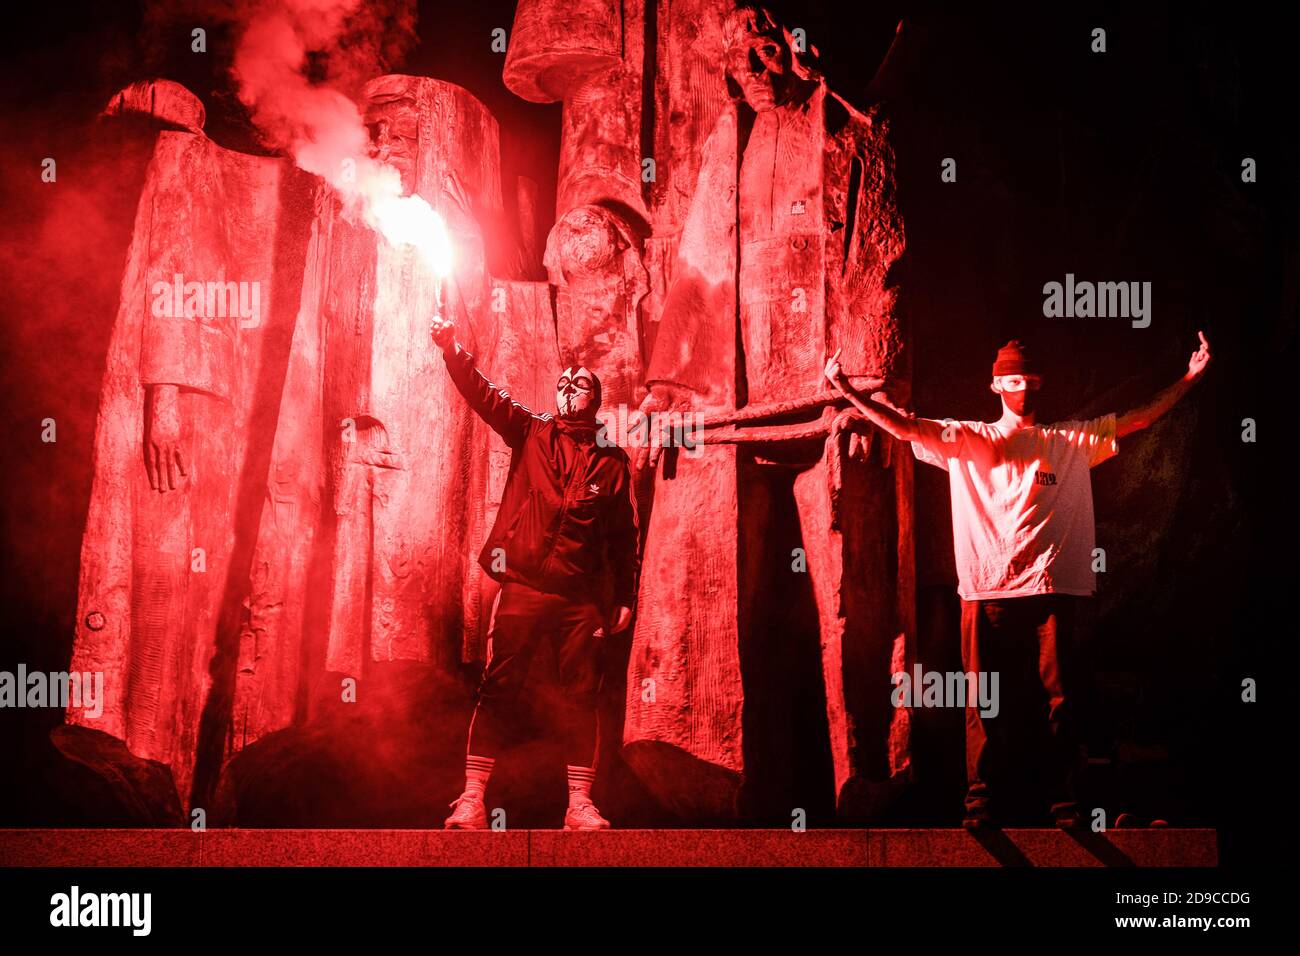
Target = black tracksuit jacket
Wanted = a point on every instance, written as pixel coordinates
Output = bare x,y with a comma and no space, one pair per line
567,523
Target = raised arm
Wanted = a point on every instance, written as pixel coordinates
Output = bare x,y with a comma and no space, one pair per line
507,418
1149,412
887,418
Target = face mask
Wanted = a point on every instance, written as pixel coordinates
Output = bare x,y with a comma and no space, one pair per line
1022,403
1019,392
577,393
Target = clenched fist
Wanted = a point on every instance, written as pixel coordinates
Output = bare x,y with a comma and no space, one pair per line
443,331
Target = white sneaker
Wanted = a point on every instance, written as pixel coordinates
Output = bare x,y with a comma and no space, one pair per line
470,814
584,817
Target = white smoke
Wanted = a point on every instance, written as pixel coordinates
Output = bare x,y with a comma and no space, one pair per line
296,64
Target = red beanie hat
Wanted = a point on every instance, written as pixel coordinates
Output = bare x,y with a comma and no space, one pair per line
1014,359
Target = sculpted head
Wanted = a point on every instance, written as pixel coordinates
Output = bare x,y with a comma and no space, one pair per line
593,260
759,59
392,115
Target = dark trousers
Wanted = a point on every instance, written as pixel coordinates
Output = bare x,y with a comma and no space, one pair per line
524,619
1029,643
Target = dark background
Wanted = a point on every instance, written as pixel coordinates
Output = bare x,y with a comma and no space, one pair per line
1116,166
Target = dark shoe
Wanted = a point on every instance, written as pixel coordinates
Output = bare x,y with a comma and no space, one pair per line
977,818
1068,819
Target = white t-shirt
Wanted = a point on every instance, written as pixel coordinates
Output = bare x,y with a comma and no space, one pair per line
1021,502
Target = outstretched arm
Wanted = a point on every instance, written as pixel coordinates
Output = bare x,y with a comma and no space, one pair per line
884,416
1149,412
508,418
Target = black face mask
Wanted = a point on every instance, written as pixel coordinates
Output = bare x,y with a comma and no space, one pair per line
1022,403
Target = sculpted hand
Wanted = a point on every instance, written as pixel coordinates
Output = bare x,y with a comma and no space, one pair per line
648,451
859,431
621,620
451,186
162,438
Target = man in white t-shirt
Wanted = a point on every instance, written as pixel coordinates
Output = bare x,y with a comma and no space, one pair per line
1024,536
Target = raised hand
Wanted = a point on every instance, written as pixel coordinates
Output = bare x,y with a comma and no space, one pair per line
443,331
1200,359
834,373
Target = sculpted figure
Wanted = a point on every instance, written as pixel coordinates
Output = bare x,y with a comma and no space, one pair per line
372,488
596,269
183,427
784,259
